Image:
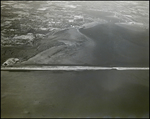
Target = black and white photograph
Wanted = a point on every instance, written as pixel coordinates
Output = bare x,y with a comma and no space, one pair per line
74,59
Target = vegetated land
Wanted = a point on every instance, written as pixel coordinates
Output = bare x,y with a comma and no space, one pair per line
29,28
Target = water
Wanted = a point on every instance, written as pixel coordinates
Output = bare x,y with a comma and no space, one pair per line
75,94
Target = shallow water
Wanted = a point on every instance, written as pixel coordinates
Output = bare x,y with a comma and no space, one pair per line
75,94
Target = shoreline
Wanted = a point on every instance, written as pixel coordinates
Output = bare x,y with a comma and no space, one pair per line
71,68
